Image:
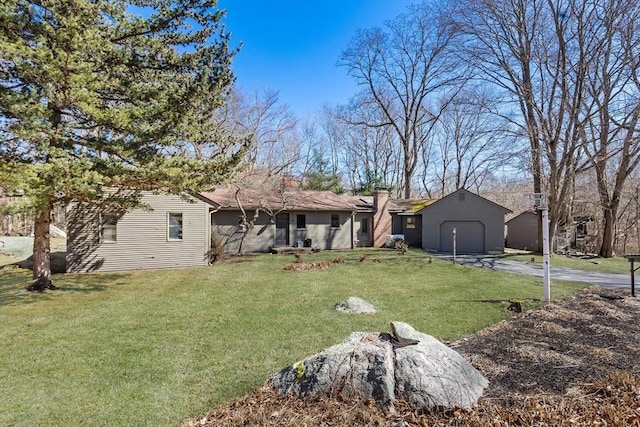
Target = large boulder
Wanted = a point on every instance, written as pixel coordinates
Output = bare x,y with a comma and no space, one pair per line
406,365
362,364
356,305
430,374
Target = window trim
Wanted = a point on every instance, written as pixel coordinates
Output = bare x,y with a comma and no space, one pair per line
304,220
411,222
169,226
337,218
108,225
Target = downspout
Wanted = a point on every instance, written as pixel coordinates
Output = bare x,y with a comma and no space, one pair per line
208,246
353,215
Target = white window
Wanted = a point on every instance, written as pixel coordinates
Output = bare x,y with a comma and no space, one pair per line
174,224
108,228
411,222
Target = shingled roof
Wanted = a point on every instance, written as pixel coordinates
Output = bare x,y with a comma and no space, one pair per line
305,200
411,206
225,199
408,206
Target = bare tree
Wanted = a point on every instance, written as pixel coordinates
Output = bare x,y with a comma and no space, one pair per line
369,155
261,118
507,190
312,140
535,54
628,220
611,135
469,146
571,66
401,70
249,221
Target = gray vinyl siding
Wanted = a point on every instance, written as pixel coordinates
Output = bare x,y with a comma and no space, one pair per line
261,237
468,211
522,232
142,237
321,233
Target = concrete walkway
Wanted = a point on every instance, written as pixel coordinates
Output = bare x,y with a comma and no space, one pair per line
606,280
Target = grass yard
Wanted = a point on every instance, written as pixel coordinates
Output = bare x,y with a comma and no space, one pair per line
159,347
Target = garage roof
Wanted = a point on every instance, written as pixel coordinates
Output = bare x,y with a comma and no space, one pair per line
464,192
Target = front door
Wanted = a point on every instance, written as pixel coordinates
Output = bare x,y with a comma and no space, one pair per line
282,229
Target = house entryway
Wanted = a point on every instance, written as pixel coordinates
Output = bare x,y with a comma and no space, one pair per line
282,229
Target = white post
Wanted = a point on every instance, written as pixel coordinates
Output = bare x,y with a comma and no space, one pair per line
545,254
454,245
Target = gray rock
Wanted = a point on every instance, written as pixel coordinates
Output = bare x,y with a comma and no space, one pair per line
425,373
430,374
362,364
403,333
356,305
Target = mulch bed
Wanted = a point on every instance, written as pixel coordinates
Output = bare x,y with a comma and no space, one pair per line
582,338
569,363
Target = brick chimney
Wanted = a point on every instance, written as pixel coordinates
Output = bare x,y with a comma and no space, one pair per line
381,217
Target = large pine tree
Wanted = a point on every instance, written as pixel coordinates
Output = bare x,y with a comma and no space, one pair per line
103,94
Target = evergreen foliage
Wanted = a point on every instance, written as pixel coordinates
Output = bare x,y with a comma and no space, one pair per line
320,177
370,183
100,94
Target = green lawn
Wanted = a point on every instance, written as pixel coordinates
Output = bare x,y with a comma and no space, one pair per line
158,347
591,263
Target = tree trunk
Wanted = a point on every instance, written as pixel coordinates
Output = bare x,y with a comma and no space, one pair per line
407,184
611,205
606,249
41,252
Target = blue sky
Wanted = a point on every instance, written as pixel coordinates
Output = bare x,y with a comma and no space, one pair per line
293,45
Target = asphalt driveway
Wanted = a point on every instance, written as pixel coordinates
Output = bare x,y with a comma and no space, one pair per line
605,280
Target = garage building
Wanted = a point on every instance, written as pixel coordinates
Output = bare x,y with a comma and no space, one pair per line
478,223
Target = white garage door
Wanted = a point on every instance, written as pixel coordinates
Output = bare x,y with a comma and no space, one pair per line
469,237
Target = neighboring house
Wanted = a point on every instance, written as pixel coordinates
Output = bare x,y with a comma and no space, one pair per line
173,232
478,222
522,231
581,234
